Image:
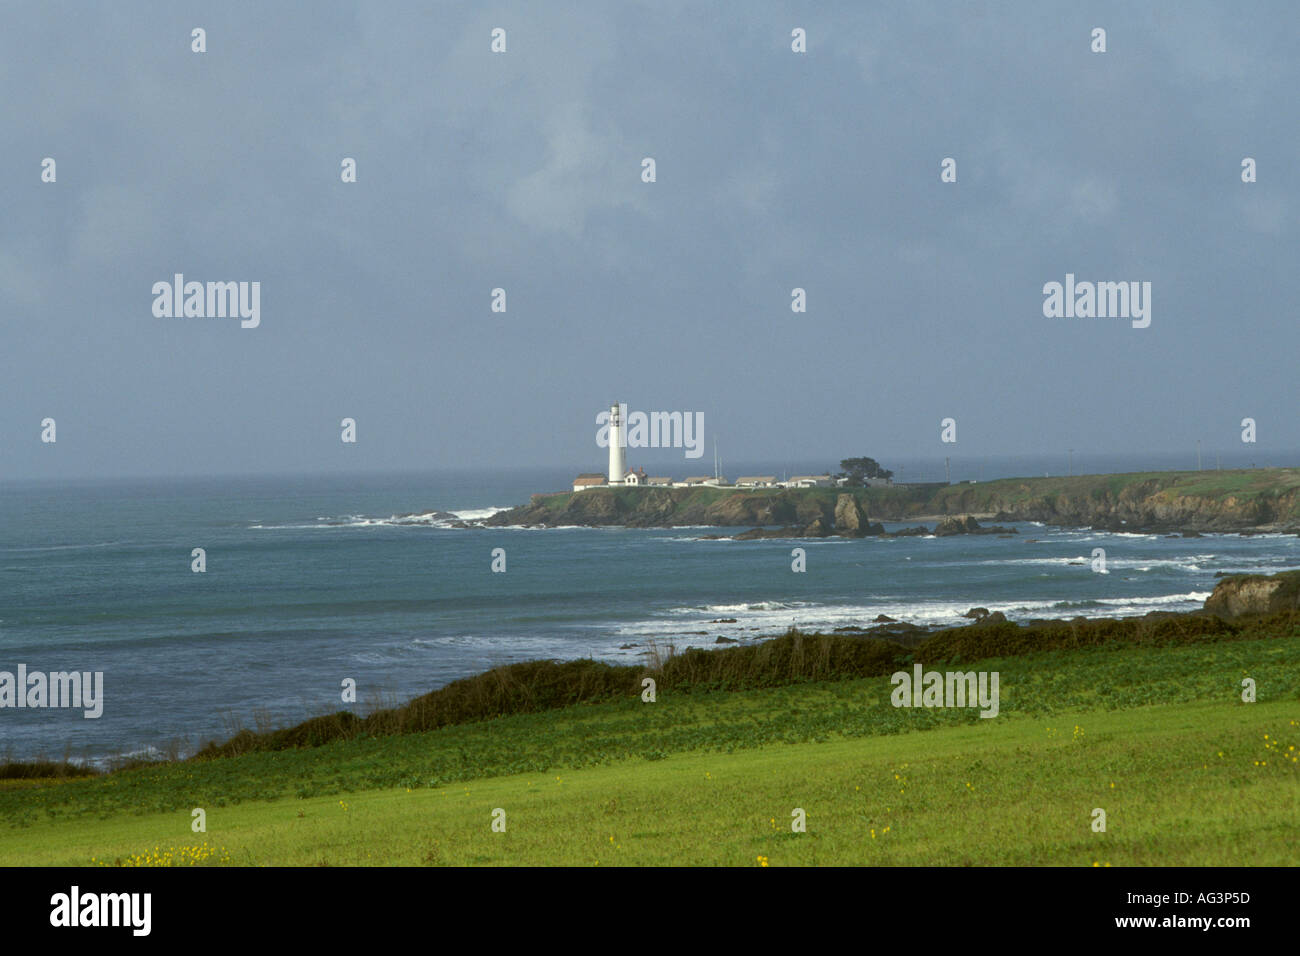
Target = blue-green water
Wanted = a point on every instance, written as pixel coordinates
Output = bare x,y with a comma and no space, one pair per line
310,581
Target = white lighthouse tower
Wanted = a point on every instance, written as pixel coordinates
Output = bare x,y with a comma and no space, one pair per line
617,441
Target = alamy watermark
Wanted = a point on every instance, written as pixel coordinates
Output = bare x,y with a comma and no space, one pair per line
57,689
952,689
75,908
212,300
1100,300
655,430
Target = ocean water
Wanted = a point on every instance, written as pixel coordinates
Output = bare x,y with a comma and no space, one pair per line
310,581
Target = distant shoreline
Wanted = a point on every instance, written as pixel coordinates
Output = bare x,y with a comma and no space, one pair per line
1180,502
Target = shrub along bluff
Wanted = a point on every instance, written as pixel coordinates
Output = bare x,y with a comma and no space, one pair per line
1260,499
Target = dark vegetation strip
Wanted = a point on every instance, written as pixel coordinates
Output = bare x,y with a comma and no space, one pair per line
43,769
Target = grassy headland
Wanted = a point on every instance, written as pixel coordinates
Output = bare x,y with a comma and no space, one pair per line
1169,500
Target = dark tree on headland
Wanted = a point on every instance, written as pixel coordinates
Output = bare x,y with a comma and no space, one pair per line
858,470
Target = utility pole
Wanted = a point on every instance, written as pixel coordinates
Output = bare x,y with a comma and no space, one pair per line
1070,473
947,472
1198,454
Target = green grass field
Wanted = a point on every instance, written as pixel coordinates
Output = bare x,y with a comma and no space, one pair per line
1156,736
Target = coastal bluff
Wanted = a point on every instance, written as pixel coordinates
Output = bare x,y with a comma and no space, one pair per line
1244,594
1173,501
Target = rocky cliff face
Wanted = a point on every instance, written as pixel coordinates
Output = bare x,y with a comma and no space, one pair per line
1255,594
1173,501
1200,501
669,507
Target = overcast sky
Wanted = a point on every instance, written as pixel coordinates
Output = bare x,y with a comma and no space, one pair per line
522,170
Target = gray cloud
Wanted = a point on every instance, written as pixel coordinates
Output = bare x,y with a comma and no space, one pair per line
523,171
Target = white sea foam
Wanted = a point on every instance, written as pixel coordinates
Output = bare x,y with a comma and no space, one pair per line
61,547
1157,602
1259,568
476,514
1191,562
737,608
558,527
427,519
768,618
